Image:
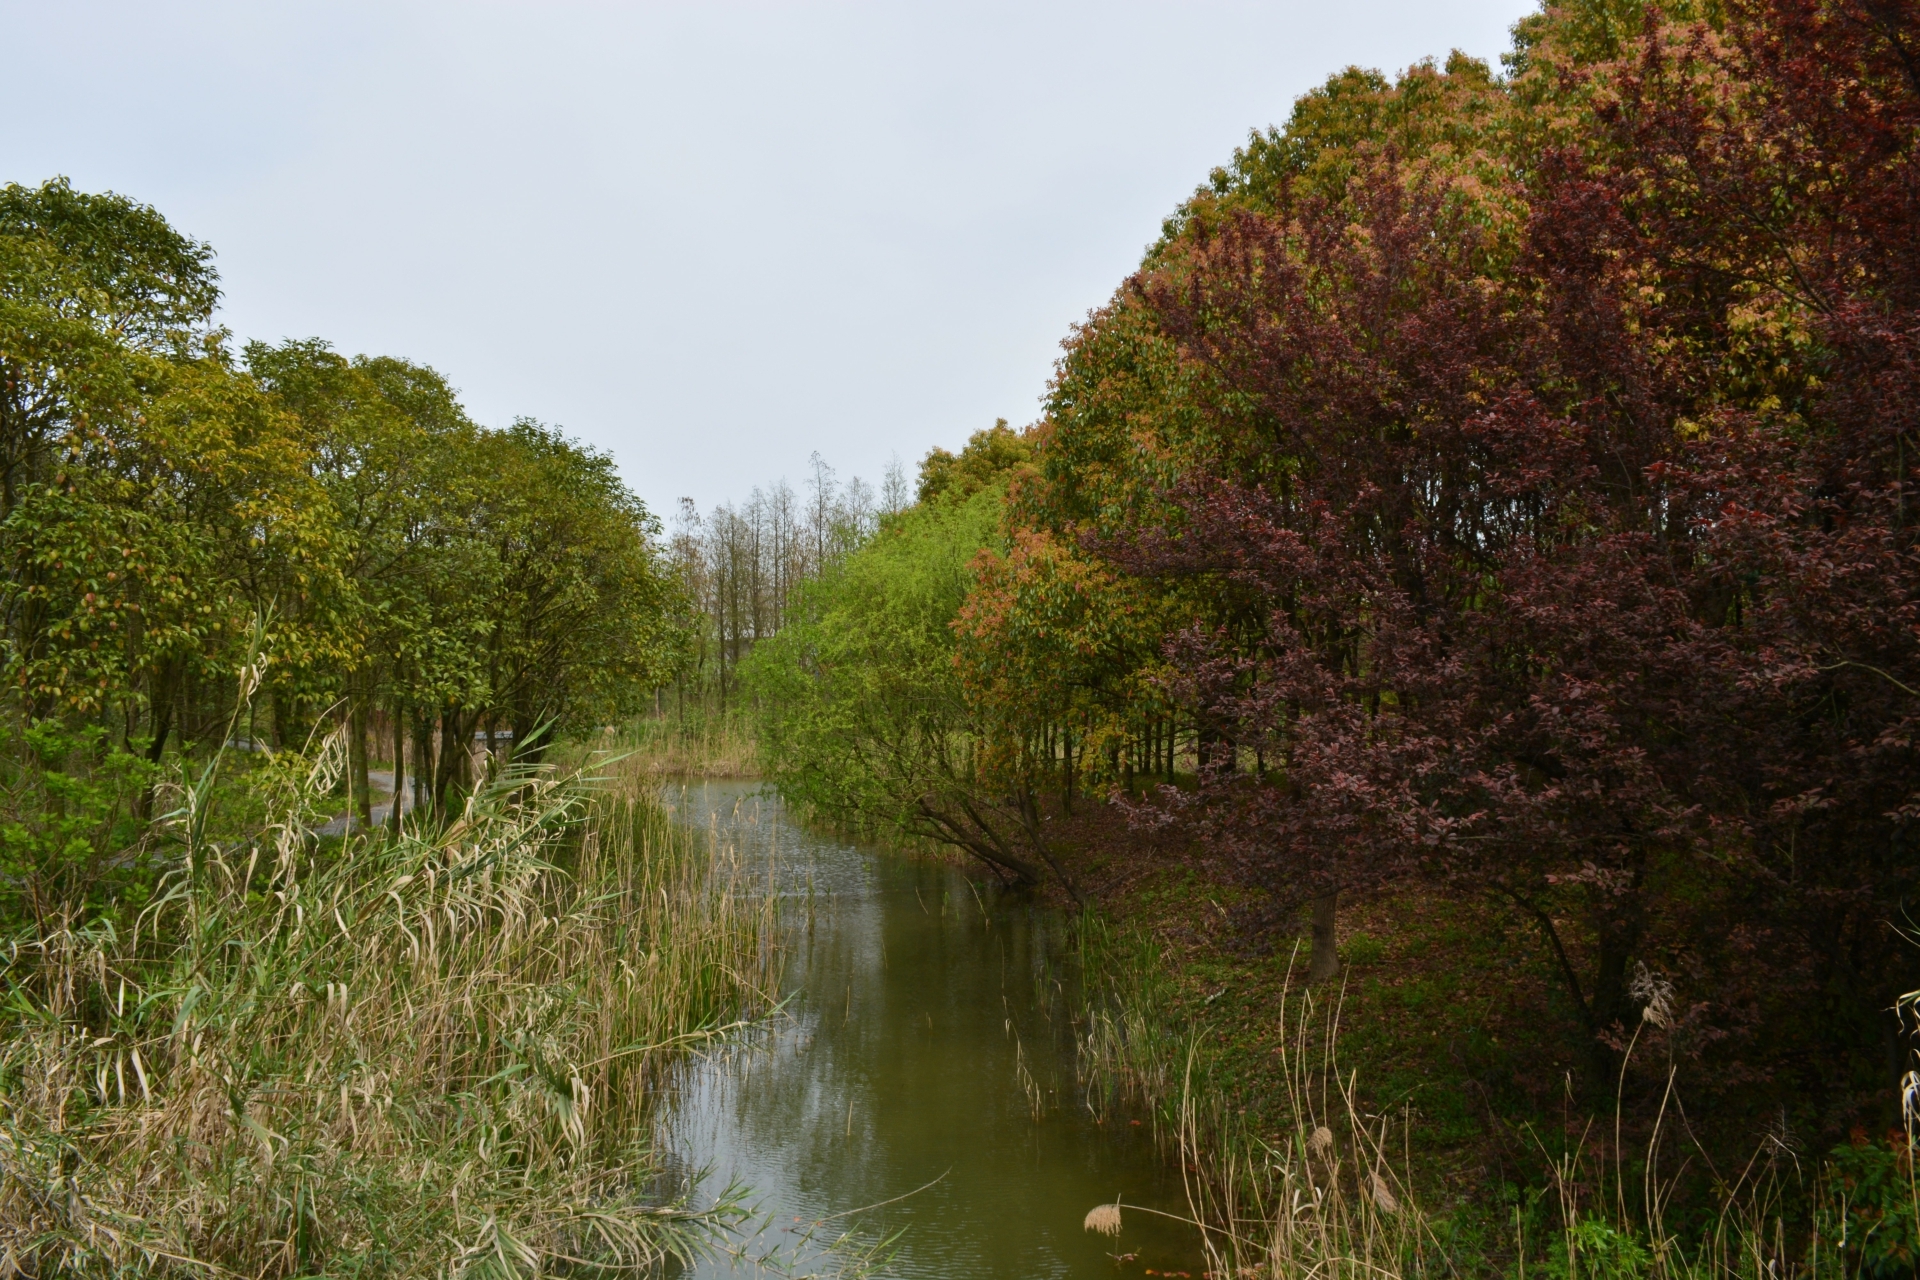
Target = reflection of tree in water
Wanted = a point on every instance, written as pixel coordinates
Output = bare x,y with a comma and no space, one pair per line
930,1042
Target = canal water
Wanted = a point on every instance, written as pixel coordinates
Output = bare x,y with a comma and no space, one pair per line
925,1057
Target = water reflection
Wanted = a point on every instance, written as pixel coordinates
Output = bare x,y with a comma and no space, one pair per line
929,1042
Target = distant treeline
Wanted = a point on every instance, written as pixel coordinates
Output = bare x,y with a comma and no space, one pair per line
736,570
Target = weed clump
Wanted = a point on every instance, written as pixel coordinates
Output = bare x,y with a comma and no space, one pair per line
428,1052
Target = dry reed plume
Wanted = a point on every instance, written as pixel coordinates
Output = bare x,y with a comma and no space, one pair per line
1103,1218
424,1055
1334,1195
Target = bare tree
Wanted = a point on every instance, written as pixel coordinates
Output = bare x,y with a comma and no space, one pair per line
738,566
896,492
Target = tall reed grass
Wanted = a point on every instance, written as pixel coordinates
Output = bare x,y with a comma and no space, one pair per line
429,1054
706,746
1337,1192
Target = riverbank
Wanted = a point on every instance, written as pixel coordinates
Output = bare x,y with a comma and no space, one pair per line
1419,1111
704,746
389,1056
1322,1123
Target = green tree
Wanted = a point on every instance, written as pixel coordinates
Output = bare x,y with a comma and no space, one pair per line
374,428
162,505
863,717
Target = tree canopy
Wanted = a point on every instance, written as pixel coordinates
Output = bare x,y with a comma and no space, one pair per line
1493,484
173,511
1518,463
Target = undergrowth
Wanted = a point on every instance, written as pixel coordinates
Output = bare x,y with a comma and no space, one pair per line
1335,1189
422,1054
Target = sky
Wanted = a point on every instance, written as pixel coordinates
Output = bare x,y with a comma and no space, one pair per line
711,239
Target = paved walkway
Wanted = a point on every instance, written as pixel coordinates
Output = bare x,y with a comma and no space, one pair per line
380,781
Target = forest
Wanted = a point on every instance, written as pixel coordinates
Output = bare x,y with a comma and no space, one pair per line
167,501
1458,592
1474,541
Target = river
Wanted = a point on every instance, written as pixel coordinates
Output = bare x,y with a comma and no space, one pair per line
928,1040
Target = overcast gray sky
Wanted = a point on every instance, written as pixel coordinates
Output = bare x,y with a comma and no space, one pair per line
710,238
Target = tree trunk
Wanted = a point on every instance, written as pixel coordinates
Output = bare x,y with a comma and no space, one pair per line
358,787
454,779
442,764
422,766
440,777
969,831
1610,1009
162,726
1067,801
399,766
1325,961
1213,749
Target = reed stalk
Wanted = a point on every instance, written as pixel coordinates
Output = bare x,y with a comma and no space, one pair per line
429,1053
1335,1194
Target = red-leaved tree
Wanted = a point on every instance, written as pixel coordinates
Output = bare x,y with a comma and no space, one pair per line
1581,559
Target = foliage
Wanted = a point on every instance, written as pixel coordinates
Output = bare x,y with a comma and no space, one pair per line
108,260
1055,653
990,456
1875,1219
1597,1249
71,794
421,579
863,719
1505,478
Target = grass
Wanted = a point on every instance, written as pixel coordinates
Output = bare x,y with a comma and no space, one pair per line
431,1054
699,746
1299,1169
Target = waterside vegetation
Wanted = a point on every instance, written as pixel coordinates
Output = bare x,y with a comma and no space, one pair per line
429,1052
252,1030
1476,538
